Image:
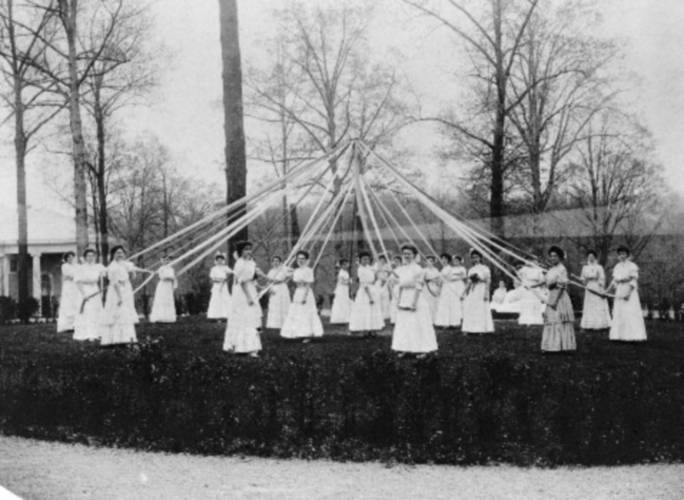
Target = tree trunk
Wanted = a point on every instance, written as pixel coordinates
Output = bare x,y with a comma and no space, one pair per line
100,178
22,210
496,200
68,15
236,167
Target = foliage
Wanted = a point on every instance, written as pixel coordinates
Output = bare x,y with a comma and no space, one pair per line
482,400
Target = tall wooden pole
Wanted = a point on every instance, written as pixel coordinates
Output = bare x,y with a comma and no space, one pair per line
236,164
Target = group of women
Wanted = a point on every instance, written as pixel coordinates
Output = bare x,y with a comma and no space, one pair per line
416,297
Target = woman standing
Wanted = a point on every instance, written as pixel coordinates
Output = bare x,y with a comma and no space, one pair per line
449,306
219,302
119,310
164,303
595,312
477,315
382,274
302,321
278,295
69,300
394,289
432,285
531,276
366,312
342,304
628,321
87,323
413,331
559,318
242,334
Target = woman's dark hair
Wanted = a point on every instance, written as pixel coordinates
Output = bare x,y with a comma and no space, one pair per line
411,248
66,256
303,253
343,262
431,258
458,258
87,251
116,249
558,251
219,256
397,257
383,257
591,252
446,256
364,254
474,252
277,257
623,249
242,246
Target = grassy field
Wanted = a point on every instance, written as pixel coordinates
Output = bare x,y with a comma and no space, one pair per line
481,399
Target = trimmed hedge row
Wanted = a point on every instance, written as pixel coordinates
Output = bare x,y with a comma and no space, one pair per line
362,405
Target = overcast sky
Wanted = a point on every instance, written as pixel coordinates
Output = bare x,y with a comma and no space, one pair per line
185,111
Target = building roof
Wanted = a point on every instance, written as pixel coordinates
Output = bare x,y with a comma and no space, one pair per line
45,227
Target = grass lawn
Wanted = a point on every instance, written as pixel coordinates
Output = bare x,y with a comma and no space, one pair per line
481,399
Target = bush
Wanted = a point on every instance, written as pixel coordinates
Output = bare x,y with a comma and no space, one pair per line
8,309
28,308
347,399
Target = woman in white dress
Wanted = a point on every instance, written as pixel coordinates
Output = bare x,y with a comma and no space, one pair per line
477,315
342,303
366,312
164,303
628,321
70,299
88,281
394,289
559,317
219,302
413,331
499,296
533,291
382,274
242,334
302,321
595,311
119,318
433,280
278,294
449,306
460,275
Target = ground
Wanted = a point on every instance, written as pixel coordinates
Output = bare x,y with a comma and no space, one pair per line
40,470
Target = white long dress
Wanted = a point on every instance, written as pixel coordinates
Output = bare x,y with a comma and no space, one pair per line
394,300
382,286
595,311
302,319
219,302
449,307
342,304
533,296
477,315
242,335
413,330
164,303
69,300
432,290
118,325
366,317
87,324
498,298
628,321
278,298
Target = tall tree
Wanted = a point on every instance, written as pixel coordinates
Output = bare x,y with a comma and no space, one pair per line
24,36
494,39
236,162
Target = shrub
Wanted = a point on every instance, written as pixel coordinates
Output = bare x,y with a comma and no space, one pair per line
8,309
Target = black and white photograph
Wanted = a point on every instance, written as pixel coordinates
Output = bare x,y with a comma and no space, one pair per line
342,249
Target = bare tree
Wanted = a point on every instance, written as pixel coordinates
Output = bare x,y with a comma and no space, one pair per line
494,39
24,36
236,162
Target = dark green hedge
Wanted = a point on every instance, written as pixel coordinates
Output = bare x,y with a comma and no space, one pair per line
480,401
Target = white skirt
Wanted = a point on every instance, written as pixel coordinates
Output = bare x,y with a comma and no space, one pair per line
477,315
628,321
385,301
87,325
219,302
595,311
531,307
163,304
69,305
241,334
341,306
413,330
364,316
394,304
119,320
302,319
278,305
449,307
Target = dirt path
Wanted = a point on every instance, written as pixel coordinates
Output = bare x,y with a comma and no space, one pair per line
41,470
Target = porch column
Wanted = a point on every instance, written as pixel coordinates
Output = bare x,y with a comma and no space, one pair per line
5,273
37,281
